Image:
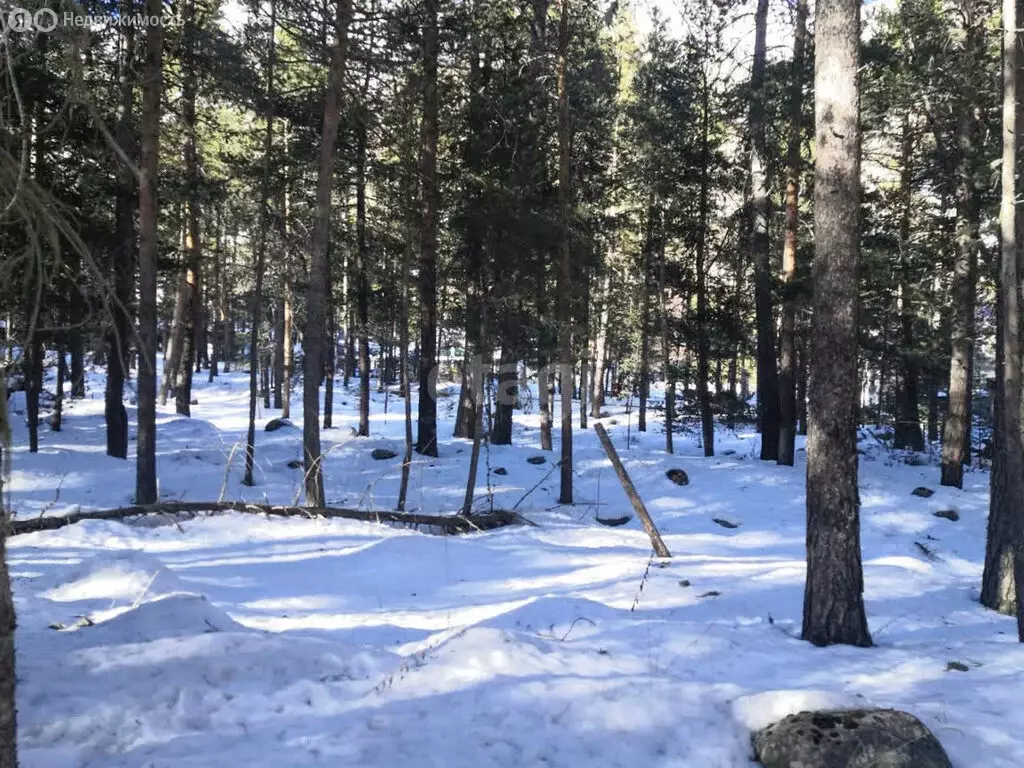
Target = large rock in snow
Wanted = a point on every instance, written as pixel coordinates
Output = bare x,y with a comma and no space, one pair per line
864,738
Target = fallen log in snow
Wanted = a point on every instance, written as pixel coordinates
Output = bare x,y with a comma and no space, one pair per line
448,524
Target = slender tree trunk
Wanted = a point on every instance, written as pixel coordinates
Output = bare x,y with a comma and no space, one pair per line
1004,551
317,287
288,349
173,342
149,129
787,368
279,354
193,245
767,374
57,417
704,212
666,347
600,353
426,437
956,438
33,387
645,317
362,283
907,433
213,297
564,282
582,327
8,715
329,358
403,340
261,250
124,258
833,598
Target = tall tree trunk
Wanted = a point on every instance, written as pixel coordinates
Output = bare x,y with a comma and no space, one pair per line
279,354
119,336
1004,550
316,289
833,597
704,213
224,310
173,342
600,352
583,326
57,417
644,374
33,388
362,283
149,130
403,362
563,285
956,438
288,349
666,346
261,251
767,374
907,433
8,716
426,437
329,357
193,245
787,367
213,297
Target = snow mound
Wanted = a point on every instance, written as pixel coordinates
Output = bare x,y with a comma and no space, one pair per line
760,710
122,577
176,615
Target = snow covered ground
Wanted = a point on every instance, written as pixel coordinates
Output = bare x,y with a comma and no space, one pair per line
242,641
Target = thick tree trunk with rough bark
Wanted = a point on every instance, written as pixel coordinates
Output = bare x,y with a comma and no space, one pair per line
563,285
833,596
767,373
1004,550
787,363
149,130
123,257
317,287
956,438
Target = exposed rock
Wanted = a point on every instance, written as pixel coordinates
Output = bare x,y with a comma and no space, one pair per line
295,464
536,460
923,492
872,738
957,666
500,471
917,459
725,523
380,454
678,476
729,452
275,424
194,401
948,514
